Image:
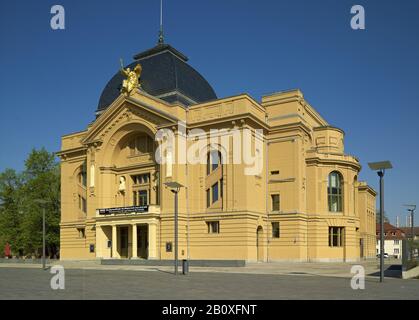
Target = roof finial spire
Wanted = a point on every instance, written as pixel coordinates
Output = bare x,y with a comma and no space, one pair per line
161,37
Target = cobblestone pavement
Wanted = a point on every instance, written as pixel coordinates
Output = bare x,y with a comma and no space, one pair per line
34,283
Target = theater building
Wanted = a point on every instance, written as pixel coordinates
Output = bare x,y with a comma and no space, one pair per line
303,202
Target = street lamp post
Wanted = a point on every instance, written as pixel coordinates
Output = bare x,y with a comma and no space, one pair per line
380,167
43,203
411,209
175,188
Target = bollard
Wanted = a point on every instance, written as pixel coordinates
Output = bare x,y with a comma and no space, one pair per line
185,266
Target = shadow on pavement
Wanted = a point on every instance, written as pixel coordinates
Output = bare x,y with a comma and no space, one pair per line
392,271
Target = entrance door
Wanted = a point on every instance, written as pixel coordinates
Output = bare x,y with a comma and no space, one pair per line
259,244
142,242
123,234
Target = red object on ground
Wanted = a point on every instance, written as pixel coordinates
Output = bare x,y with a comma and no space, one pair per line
7,250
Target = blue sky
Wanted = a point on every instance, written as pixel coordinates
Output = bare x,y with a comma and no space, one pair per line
365,82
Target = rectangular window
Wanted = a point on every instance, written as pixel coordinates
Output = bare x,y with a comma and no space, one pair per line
275,202
396,251
336,236
208,198
213,227
214,189
275,173
275,230
141,179
396,242
82,233
142,197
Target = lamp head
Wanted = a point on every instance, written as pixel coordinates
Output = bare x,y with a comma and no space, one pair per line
381,165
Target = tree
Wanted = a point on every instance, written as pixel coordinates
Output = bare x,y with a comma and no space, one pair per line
10,214
21,215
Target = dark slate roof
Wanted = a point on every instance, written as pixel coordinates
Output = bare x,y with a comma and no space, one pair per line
165,74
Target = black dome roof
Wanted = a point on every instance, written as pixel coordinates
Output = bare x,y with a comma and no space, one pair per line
166,75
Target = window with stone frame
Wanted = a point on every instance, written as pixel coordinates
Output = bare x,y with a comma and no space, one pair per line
214,180
335,192
141,189
336,236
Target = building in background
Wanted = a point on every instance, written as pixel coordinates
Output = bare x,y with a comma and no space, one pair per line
304,204
393,238
408,232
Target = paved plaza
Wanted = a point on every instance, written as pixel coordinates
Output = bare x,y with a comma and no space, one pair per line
30,282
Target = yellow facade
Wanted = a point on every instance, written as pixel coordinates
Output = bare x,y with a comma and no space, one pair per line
112,164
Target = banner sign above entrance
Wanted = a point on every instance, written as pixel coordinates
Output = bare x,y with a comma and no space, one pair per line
123,210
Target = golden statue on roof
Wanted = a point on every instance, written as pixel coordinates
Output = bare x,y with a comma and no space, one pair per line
132,78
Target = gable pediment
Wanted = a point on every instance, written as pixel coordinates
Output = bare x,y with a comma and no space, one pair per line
125,110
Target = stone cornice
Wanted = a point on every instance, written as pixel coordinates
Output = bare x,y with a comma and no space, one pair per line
228,119
65,153
314,160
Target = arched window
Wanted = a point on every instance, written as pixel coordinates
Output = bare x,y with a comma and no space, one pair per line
213,161
215,188
140,144
82,182
82,176
335,192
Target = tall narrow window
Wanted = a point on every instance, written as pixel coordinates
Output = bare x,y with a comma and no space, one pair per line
275,202
214,190
83,175
208,198
143,197
275,230
334,192
213,161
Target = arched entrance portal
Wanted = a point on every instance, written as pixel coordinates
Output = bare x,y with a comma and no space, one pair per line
259,244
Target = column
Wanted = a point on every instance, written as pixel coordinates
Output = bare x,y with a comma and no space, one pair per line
114,242
99,242
152,241
134,242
